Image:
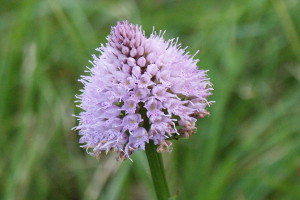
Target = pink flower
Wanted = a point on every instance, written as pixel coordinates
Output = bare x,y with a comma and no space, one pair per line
137,80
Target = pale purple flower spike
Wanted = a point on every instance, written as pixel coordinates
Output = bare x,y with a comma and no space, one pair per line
140,89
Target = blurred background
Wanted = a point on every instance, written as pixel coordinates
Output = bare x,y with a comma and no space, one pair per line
248,148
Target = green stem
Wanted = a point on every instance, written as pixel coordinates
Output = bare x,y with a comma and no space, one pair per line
157,172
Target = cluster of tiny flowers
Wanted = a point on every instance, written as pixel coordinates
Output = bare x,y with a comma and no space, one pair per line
140,89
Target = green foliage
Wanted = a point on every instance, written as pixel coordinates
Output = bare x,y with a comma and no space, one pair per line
247,149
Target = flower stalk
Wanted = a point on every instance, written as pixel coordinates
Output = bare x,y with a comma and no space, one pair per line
157,172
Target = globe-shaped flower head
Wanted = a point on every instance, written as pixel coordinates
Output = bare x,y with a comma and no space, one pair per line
140,89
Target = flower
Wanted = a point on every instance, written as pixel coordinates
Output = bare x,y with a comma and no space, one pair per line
140,89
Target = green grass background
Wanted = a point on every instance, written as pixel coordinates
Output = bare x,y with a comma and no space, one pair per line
248,148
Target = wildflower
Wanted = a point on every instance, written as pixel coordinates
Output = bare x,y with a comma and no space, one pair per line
139,89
